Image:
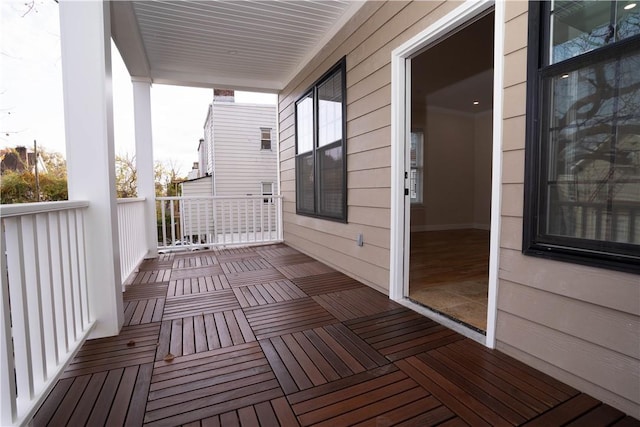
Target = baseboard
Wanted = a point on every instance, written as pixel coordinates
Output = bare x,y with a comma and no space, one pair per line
479,226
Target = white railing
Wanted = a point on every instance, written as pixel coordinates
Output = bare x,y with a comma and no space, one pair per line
131,230
220,221
45,311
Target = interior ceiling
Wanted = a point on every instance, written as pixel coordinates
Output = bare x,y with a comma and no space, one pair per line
457,71
240,44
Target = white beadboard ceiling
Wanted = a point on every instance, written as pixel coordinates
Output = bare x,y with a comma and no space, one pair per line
237,44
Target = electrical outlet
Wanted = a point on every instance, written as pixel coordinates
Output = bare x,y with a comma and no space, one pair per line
359,239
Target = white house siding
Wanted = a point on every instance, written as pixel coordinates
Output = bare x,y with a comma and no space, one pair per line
208,138
580,324
239,164
577,323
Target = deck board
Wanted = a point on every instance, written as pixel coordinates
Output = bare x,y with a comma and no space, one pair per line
267,336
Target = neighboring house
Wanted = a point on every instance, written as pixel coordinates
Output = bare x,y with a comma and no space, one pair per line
19,160
236,157
239,147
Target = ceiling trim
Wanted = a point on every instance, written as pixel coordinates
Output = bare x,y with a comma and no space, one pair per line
128,40
181,78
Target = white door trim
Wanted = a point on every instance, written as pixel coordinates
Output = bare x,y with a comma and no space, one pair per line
400,129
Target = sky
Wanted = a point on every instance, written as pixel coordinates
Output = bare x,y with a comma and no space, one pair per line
31,106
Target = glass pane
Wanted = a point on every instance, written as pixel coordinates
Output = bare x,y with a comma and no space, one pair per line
627,19
415,177
304,178
592,142
304,124
581,26
331,181
330,110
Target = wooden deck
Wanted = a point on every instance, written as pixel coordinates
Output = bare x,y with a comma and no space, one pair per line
267,336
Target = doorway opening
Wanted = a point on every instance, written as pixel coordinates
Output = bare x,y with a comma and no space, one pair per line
449,165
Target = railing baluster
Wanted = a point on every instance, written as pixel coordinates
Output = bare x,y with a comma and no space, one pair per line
262,222
8,408
246,220
239,227
82,269
253,208
48,314
199,228
173,223
164,223
67,277
75,254
269,208
19,313
33,297
57,278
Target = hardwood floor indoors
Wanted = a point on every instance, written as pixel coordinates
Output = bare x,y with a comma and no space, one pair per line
449,273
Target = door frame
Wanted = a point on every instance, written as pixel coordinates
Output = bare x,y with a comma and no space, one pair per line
400,131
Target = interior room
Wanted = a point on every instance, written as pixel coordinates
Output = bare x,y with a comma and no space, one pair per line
451,149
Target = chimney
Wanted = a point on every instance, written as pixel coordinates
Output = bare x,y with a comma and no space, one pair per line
223,95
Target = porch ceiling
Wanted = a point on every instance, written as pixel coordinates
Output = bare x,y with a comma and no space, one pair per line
243,44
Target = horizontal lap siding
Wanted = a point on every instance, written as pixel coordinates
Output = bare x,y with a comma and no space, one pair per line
579,324
240,164
366,41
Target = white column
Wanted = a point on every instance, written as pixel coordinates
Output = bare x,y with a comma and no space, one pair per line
85,35
144,162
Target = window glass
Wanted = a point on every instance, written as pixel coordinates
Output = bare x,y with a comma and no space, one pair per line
305,183
330,110
304,124
581,26
593,144
582,194
265,138
331,181
415,177
320,145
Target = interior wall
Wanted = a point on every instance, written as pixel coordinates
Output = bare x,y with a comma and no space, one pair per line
457,170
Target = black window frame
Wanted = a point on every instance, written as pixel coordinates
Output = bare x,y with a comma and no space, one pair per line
603,254
340,66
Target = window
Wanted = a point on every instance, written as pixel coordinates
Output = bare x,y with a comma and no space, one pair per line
267,190
582,197
320,148
265,138
417,157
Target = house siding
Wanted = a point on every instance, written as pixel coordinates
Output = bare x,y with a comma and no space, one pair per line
239,165
578,323
367,41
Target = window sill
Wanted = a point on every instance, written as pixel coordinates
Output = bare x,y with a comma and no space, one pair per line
323,217
586,258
